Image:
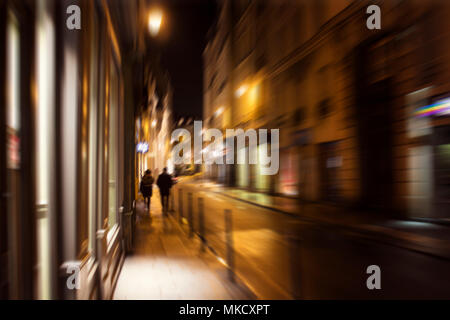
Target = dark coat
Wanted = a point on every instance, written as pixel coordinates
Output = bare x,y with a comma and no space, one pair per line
164,183
146,185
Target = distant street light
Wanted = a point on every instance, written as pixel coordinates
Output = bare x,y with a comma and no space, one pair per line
219,111
241,90
142,147
154,21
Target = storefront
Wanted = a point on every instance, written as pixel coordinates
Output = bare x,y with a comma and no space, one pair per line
19,213
262,182
63,166
429,157
438,114
289,177
243,168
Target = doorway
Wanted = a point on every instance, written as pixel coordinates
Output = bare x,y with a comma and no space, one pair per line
442,172
329,164
374,88
376,145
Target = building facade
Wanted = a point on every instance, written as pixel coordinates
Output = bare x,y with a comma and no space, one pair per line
153,127
346,99
67,160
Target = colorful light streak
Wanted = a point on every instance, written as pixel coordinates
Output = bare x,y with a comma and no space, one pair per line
441,107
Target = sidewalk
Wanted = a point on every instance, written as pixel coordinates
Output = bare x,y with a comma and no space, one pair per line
425,237
167,265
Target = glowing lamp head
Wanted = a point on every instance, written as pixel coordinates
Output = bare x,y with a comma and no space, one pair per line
241,90
219,111
154,21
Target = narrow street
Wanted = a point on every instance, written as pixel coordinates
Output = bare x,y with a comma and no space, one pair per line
281,256
302,148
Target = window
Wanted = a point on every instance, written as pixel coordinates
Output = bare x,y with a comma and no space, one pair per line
324,84
298,116
45,57
112,145
13,107
323,108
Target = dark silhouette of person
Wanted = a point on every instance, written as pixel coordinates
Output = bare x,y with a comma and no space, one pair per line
164,183
147,187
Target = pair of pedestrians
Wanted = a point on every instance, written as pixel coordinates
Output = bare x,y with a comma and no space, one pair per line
164,184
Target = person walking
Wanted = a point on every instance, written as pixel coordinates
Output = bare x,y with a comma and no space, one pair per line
147,187
164,183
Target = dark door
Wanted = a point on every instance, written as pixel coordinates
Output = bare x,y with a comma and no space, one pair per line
376,145
442,172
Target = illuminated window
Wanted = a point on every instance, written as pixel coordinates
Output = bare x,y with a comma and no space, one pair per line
112,145
13,107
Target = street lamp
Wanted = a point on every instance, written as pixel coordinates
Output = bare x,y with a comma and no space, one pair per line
241,90
219,111
154,21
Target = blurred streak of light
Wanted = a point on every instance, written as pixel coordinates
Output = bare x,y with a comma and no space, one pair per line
413,224
45,112
441,107
254,95
145,127
69,147
13,74
222,261
85,114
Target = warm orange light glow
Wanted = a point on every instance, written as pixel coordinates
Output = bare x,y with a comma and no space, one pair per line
253,95
154,21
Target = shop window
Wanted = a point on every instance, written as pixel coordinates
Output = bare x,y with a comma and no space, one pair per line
243,169
45,57
112,146
94,122
13,107
417,126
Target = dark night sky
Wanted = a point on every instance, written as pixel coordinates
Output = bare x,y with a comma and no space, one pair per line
188,22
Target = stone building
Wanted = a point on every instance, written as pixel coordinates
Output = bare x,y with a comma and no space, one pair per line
153,127
363,115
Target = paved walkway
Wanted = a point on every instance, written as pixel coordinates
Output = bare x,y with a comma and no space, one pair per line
167,265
